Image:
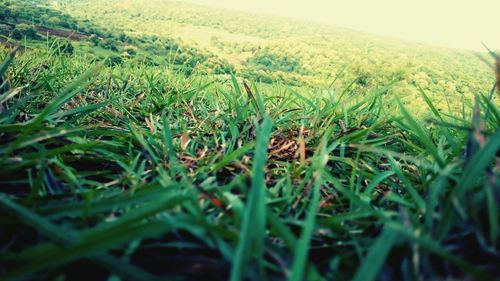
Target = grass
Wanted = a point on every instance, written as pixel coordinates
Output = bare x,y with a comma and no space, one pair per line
141,173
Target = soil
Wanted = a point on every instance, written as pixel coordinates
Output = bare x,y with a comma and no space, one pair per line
70,34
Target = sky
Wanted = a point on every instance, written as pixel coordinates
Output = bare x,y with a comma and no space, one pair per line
450,23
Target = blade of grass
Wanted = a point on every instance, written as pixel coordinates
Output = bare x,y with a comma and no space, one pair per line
371,265
422,135
302,252
446,131
68,237
66,94
232,156
433,246
478,164
253,226
7,61
419,201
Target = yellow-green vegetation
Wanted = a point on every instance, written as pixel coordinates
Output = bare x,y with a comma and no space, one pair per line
251,148
317,54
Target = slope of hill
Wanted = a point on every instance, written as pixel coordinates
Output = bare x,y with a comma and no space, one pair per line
274,49
38,24
127,153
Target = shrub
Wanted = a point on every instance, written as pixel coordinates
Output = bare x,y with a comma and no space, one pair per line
123,37
64,46
271,61
23,30
110,44
114,60
94,39
219,66
53,21
130,51
5,11
4,29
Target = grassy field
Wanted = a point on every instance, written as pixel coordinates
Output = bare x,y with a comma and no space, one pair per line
146,170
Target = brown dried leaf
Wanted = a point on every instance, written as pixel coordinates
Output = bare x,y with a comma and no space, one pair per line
150,124
139,98
190,112
115,112
184,140
302,147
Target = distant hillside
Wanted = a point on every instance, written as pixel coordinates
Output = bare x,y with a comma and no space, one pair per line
204,40
268,48
35,25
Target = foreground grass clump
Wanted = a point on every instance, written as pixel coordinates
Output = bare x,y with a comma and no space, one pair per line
139,173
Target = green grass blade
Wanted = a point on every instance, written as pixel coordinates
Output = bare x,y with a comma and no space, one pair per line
371,265
232,156
478,164
253,225
67,237
492,214
378,179
436,113
419,201
433,246
66,94
7,61
422,136
302,252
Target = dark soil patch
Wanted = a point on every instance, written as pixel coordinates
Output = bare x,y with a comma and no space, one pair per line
70,34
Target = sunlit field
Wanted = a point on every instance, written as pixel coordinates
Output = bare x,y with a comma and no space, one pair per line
168,140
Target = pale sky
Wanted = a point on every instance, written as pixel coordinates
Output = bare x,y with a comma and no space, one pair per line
449,23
